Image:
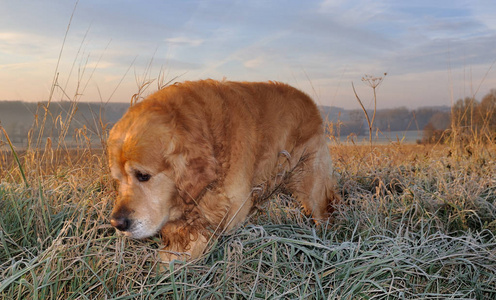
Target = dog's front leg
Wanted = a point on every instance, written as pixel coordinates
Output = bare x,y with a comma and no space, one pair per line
183,241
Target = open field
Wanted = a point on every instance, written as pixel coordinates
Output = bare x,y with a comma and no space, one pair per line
417,222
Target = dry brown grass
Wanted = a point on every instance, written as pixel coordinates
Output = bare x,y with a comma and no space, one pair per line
417,222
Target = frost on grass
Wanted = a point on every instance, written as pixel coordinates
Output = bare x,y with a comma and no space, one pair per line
416,222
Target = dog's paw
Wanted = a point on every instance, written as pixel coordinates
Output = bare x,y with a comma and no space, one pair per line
167,256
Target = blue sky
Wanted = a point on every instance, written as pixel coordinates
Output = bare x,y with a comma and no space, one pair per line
433,51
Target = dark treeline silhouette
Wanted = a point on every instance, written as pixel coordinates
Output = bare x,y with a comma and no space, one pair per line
469,117
473,119
468,120
19,118
346,122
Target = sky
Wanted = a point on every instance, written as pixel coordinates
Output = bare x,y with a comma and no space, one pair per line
434,52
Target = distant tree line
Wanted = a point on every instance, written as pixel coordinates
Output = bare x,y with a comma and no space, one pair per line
469,119
387,120
473,119
21,119
466,120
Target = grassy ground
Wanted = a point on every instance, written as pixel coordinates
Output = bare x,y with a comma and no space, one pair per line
417,222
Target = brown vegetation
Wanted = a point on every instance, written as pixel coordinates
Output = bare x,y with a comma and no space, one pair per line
469,120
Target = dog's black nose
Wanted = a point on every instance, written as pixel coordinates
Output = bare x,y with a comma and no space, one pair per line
121,223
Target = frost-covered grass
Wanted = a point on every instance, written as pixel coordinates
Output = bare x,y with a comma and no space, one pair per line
416,222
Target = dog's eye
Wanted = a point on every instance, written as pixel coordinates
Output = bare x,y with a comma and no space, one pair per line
142,177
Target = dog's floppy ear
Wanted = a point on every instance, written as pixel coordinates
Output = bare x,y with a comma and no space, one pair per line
193,162
199,171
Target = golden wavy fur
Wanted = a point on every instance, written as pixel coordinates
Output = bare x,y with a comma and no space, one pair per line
190,156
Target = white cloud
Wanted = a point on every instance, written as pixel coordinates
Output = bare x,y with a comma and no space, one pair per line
353,12
254,63
10,36
17,43
331,4
98,65
484,11
184,41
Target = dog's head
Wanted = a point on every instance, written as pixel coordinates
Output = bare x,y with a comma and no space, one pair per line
163,161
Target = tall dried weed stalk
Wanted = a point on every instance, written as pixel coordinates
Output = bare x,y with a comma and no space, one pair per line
373,82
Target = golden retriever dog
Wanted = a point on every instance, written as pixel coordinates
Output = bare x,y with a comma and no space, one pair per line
192,158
